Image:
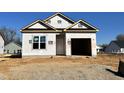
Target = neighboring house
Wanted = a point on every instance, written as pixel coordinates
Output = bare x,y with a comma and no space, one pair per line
99,48
59,35
1,44
115,47
12,48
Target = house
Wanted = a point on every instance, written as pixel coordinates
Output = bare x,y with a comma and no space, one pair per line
99,48
115,47
12,48
1,43
59,35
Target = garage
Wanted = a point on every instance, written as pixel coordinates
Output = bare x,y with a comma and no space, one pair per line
81,47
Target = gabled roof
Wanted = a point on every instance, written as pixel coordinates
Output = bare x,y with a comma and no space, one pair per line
45,27
89,26
37,21
119,43
61,15
13,43
99,47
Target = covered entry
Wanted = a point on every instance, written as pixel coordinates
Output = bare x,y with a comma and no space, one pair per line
81,46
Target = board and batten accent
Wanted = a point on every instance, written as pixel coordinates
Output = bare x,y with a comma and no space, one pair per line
58,22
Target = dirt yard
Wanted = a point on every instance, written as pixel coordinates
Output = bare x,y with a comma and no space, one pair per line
103,67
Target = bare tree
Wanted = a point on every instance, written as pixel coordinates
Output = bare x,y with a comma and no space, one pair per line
18,40
120,37
10,35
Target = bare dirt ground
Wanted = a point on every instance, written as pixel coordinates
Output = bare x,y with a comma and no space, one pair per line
103,67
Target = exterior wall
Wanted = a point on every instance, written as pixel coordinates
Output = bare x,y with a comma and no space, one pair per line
122,50
1,45
81,35
112,48
27,47
55,24
12,48
76,26
99,49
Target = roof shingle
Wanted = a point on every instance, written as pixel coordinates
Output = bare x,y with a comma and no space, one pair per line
119,43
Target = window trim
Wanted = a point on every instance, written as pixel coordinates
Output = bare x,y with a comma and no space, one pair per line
39,36
35,42
42,42
59,21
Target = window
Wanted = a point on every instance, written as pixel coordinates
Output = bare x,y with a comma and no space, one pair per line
14,52
59,21
42,42
19,51
7,51
39,42
36,42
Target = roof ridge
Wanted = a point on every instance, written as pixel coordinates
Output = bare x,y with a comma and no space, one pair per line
119,43
14,43
61,15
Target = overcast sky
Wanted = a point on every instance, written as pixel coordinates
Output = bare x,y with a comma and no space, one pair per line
110,24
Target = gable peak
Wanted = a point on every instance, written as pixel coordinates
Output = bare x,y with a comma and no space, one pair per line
61,15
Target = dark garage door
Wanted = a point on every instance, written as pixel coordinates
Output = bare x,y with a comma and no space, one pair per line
81,47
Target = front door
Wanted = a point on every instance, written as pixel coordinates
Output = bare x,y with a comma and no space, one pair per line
60,44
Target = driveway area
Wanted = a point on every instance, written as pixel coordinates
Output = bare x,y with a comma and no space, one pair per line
103,67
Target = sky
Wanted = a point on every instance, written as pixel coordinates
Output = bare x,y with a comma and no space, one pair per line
110,24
